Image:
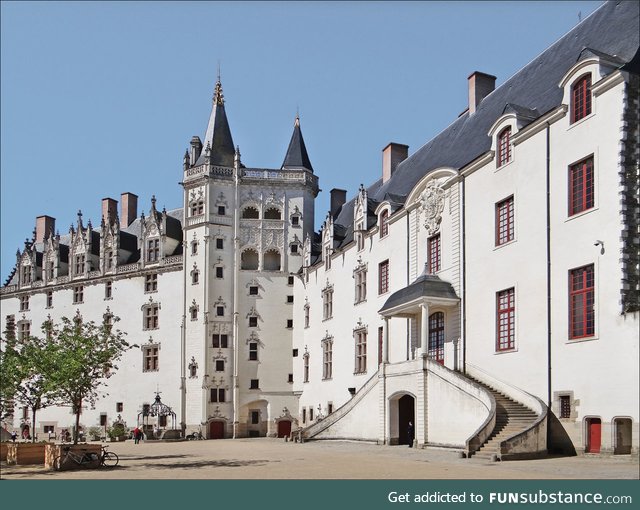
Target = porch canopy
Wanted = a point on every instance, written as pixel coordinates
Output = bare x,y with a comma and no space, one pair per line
426,291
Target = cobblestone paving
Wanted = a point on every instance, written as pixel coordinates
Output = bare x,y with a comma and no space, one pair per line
265,458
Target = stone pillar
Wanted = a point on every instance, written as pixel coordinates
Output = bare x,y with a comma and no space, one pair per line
424,331
385,341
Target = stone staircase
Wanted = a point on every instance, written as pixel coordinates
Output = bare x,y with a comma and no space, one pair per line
511,419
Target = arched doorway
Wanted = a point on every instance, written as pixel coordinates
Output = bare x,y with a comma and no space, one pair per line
216,429
406,414
622,438
284,428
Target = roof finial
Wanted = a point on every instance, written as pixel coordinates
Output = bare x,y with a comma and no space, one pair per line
218,70
218,97
297,122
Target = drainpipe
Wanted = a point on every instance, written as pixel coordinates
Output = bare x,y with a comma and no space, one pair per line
464,279
236,248
183,337
408,320
548,219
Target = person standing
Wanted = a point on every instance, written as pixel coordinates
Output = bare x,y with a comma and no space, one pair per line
136,435
410,434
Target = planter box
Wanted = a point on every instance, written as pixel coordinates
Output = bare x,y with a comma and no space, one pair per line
55,450
26,453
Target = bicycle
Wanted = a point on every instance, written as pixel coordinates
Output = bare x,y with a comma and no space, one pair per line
107,459
195,436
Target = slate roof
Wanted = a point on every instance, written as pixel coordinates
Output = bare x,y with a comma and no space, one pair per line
426,285
297,156
218,135
611,30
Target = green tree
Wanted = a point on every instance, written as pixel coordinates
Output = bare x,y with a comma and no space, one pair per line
85,355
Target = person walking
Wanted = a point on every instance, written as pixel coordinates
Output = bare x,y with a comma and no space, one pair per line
410,434
136,435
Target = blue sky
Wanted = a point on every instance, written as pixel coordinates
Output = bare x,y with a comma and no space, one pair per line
99,98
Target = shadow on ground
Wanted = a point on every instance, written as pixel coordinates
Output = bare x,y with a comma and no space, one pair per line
204,464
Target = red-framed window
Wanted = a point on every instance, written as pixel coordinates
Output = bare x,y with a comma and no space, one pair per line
581,186
384,223
436,337
433,254
581,302
504,146
581,98
506,319
383,277
504,221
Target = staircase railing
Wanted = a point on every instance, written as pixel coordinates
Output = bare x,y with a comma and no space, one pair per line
529,442
323,424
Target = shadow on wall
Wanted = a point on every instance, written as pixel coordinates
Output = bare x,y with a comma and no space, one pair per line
559,442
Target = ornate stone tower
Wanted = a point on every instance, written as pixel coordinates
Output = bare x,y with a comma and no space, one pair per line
243,235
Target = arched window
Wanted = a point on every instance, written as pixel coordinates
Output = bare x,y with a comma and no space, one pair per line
250,213
272,214
272,260
249,260
504,146
581,98
384,223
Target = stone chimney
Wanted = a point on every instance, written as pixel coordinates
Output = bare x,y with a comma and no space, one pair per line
392,155
109,210
338,198
480,86
45,225
129,211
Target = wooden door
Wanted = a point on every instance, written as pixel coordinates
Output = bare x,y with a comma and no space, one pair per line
216,430
284,428
594,435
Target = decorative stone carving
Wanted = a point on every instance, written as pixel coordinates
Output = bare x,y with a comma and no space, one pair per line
432,205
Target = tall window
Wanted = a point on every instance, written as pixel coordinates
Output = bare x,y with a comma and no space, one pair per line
108,259
433,254
24,330
383,277
150,358
305,373
253,351
24,303
151,316
26,275
220,341
380,344
581,98
327,358
153,250
565,406
79,264
360,277
384,223
306,315
108,290
581,302
271,260
504,146
151,282
506,320
78,294
581,186
49,299
50,270
504,222
436,337
359,236
327,257
361,351
327,303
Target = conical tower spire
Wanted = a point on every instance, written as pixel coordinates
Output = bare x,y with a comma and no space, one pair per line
297,156
218,135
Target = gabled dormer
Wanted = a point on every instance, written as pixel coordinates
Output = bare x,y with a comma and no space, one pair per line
109,245
84,248
27,264
327,240
52,265
360,212
503,131
160,235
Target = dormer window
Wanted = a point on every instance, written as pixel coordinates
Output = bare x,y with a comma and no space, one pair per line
359,236
504,146
153,250
79,264
384,223
581,98
26,275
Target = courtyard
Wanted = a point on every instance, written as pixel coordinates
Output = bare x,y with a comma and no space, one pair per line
275,459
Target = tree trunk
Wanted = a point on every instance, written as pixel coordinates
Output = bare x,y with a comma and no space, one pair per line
33,423
76,432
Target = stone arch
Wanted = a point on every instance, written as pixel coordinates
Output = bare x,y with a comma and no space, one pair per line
402,407
272,213
251,213
272,260
249,259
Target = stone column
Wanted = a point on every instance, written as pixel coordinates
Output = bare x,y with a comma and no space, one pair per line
424,332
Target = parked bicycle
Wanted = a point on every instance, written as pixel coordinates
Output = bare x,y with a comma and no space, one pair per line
195,436
107,459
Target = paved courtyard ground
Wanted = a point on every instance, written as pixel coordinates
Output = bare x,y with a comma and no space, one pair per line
266,458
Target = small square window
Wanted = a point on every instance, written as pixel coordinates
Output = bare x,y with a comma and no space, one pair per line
253,290
221,210
253,322
119,407
294,249
219,311
219,365
254,384
289,299
220,341
290,378
219,244
24,303
103,420
151,282
219,272
565,406
289,323
295,221
295,353
290,280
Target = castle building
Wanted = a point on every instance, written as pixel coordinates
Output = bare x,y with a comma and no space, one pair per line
485,289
